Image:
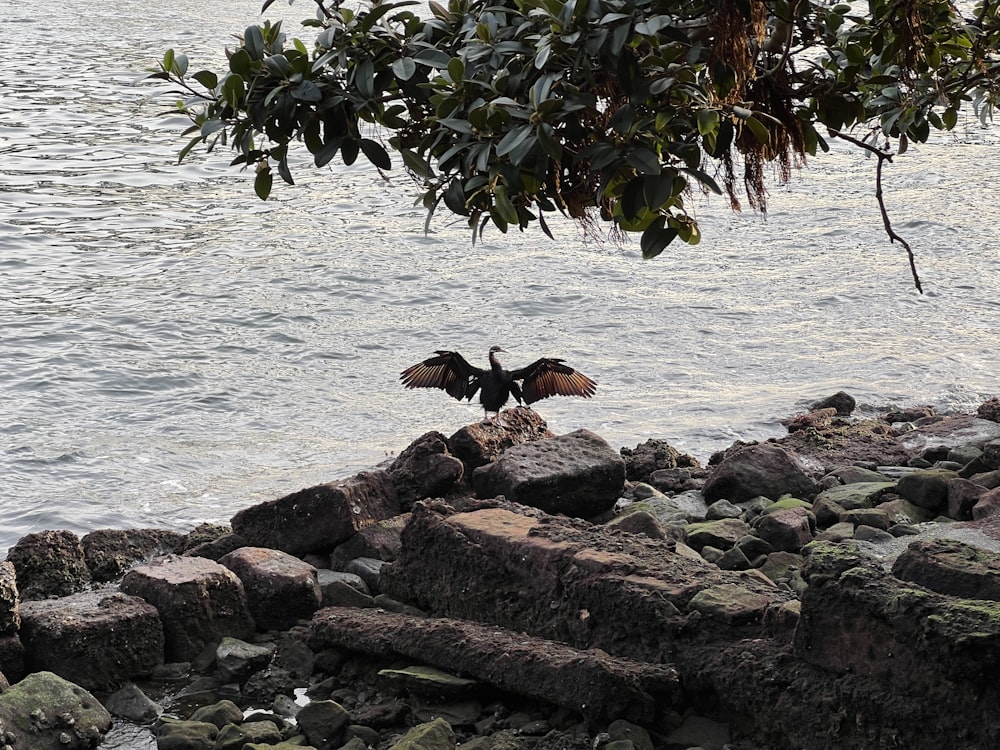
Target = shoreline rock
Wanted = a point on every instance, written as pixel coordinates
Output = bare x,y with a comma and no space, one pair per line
509,589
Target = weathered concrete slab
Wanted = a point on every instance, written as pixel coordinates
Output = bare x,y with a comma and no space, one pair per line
864,622
199,602
590,682
317,519
949,566
96,639
280,589
561,579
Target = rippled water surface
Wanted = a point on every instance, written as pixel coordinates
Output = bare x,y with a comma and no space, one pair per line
173,349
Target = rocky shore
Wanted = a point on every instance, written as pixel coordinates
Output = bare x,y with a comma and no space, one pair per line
505,588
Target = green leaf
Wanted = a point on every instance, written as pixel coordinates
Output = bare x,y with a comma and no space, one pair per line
206,78
253,43
404,68
456,70
262,183
376,154
277,64
644,160
655,238
329,150
658,190
416,164
708,121
456,124
349,150
240,63
307,91
179,66
211,126
513,139
364,78
757,128
548,141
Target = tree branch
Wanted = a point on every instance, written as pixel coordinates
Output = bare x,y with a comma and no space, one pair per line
883,156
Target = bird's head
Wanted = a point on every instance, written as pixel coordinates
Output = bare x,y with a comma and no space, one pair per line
495,349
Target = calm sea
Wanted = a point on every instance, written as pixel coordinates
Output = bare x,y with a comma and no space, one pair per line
173,350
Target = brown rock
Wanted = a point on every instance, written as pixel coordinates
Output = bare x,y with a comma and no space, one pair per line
11,658
577,474
651,456
481,443
49,563
788,530
10,613
989,409
319,518
111,552
280,589
987,505
590,682
843,403
865,623
963,494
381,541
97,639
199,602
425,469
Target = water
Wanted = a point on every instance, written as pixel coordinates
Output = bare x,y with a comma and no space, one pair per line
173,350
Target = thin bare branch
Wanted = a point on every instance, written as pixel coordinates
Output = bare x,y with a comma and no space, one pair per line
883,156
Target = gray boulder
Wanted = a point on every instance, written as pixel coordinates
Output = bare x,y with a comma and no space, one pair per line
380,541
927,489
787,530
577,474
765,469
236,660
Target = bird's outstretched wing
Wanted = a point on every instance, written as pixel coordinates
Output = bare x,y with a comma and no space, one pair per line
448,371
550,377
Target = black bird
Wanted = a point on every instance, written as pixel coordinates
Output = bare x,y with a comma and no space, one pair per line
545,377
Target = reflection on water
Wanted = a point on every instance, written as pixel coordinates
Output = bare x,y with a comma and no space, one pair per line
173,350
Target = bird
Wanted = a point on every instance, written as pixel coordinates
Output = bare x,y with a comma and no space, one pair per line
544,377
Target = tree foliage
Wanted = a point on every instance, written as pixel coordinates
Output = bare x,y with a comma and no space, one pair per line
506,110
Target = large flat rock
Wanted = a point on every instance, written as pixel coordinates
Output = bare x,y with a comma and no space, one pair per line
566,580
589,682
